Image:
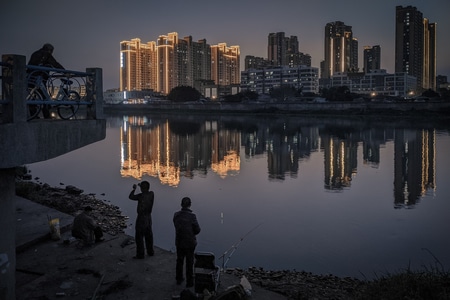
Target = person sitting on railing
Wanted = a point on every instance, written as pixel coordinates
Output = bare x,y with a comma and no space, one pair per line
44,58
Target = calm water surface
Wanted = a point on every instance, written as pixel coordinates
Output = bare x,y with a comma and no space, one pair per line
353,197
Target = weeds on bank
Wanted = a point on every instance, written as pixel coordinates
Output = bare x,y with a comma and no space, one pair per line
432,283
425,285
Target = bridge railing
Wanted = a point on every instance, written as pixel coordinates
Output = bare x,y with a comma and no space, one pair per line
16,79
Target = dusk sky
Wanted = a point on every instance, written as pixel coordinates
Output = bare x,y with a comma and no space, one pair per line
87,33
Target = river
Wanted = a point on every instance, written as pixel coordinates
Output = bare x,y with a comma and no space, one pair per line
359,197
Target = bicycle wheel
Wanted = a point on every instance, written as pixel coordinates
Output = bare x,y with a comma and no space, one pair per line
67,111
33,110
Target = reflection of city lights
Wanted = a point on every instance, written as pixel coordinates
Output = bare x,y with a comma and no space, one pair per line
156,152
415,172
230,162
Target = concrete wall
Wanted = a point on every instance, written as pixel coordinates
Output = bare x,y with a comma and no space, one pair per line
8,234
30,142
25,142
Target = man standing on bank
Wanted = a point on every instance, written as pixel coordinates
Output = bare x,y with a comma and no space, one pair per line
186,229
143,224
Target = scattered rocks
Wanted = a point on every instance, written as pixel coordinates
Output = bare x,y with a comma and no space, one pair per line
73,190
303,285
71,200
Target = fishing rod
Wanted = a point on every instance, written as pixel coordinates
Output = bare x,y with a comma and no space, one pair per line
234,247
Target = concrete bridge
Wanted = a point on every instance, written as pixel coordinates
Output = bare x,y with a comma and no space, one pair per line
25,142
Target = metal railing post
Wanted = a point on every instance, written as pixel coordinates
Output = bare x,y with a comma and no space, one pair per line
14,88
94,90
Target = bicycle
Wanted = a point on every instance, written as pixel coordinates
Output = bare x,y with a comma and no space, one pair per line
46,91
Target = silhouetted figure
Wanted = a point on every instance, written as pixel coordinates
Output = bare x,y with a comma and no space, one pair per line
44,58
86,229
186,229
143,224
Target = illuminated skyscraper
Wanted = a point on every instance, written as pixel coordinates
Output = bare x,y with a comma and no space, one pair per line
162,65
341,49
167,59
225,64
137,68
372,58
415,46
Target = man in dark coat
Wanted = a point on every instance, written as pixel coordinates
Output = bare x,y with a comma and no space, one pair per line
86,229
44,57
186,229
143,224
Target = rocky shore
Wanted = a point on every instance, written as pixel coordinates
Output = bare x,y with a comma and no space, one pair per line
71,200
267,284
304,285
290,283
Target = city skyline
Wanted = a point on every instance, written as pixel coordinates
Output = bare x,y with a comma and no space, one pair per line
93,39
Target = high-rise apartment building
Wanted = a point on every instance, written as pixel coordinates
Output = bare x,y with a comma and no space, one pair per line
199,61
415,46
225,64
167,67
162,65
129,64
254,62
193,61
341,49
137,65
276,49
284,51
372,58
429,56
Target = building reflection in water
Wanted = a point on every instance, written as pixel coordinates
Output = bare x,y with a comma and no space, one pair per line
414,160
169,149
340,158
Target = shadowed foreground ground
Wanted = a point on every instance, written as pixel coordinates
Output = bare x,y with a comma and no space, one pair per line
53,269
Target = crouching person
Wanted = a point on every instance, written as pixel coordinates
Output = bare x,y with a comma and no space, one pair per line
86,229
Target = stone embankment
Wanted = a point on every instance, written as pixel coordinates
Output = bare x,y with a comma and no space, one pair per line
290,283
328,108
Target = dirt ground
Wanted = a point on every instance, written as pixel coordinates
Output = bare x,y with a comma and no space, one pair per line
64,270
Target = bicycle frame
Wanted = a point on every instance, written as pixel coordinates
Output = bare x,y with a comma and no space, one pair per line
40,99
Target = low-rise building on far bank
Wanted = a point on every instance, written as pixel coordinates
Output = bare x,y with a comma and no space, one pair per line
374,83
262,81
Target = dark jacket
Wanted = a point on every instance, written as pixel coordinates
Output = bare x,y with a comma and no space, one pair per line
186,228
83,227
145,202
43,58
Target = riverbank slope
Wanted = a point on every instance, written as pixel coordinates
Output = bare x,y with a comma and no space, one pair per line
49,269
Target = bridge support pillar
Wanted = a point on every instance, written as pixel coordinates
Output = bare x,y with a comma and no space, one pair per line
8,235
